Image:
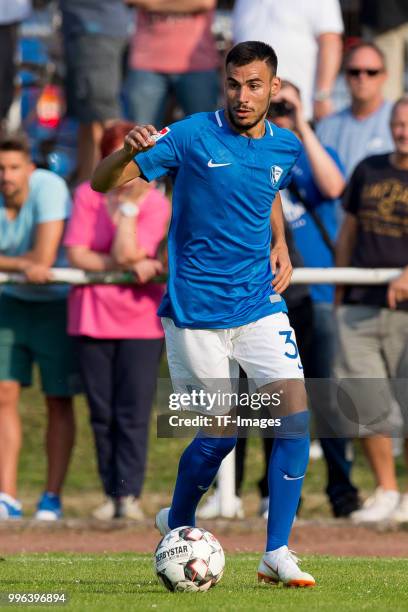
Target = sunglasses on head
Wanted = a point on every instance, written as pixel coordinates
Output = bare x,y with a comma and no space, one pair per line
371,72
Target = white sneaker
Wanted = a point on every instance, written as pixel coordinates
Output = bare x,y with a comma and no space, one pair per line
315,451
129,507
282,565
212,508
10,508
106,511
400,514
377,508
162,521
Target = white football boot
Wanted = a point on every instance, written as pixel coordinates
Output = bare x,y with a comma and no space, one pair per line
379,507
281,565
162,521
400,514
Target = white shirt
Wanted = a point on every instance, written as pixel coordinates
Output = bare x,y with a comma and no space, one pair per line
12,11
291,27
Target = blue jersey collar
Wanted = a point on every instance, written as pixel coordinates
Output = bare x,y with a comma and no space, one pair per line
224,125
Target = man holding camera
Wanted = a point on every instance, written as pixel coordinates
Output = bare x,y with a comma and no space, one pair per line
311,207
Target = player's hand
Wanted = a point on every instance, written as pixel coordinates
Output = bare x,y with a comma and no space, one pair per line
139,139
146,269
281,267
37,273
398,290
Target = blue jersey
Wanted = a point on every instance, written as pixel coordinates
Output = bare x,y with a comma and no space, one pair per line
219,237
308,238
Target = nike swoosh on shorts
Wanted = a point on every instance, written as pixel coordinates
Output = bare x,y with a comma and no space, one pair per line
286,477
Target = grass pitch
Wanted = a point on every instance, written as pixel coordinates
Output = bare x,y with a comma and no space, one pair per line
127,582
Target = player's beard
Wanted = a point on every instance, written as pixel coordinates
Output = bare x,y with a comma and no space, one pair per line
243,127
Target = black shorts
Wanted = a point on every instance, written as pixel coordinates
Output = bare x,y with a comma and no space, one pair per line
94,76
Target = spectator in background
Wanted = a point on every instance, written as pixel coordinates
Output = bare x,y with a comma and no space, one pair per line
11,14
363,128
33,207
373,337
359,130
386,23
95,34
119,335
306,35
310,206
172,51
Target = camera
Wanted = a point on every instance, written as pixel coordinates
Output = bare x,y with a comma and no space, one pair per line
281,109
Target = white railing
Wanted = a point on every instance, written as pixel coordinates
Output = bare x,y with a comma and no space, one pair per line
347,276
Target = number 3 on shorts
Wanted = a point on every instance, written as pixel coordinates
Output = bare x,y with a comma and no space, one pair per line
292,343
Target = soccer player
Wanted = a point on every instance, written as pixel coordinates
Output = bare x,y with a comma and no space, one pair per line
223,306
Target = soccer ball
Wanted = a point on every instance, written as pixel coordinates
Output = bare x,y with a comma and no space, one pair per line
189,559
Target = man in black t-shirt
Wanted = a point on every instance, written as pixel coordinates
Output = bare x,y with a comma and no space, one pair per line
373,321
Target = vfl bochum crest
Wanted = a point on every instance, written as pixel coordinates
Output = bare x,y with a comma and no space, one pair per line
276,173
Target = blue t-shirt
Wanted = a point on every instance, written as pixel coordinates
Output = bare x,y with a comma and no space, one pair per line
354,139
48,200
307,236
220,235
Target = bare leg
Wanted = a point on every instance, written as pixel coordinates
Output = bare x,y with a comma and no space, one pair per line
378,450
59,440
10,436
89,138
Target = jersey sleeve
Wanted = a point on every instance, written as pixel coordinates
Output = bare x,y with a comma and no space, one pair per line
166,156
53,202
287,179
352,195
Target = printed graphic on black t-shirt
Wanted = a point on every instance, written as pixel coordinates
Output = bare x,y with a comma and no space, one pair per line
378,196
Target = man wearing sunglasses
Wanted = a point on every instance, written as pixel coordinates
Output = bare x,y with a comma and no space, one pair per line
361,129
358,131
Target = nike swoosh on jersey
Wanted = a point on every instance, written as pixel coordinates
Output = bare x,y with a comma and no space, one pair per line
211,164
286,477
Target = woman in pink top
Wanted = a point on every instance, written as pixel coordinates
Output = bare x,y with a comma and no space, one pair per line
173,51
120,337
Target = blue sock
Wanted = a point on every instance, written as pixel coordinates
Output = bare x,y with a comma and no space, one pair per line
198,467
287,466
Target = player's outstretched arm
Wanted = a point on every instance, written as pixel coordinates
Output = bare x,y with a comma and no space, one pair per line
119,167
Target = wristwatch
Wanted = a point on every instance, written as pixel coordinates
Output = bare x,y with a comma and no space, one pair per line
128,209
